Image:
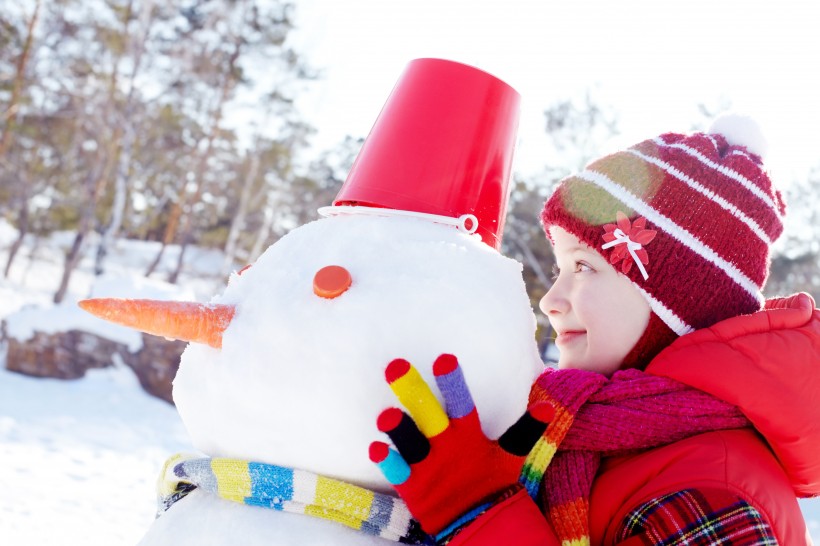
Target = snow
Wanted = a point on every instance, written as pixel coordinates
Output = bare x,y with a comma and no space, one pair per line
7,233
289,352
76,452
80,458
84,450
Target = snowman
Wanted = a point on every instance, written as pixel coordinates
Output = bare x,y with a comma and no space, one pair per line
283,378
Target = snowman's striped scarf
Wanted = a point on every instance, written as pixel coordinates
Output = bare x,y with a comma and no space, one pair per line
289,490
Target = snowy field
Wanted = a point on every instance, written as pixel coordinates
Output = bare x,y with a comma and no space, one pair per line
78,459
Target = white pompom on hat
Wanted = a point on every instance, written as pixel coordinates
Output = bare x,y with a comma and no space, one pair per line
741,130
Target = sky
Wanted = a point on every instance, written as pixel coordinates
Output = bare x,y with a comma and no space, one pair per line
651,61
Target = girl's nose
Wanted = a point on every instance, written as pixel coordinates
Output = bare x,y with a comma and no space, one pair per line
554,301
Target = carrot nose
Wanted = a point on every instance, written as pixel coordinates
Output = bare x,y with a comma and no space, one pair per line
186,321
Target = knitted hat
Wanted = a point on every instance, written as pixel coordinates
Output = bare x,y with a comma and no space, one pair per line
689,219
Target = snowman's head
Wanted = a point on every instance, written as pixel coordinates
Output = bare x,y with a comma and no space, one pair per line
298,380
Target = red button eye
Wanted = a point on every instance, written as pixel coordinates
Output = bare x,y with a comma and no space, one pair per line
331,281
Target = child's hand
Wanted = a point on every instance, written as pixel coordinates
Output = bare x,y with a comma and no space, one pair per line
445,465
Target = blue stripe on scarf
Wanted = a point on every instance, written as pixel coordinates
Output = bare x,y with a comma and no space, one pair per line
271,485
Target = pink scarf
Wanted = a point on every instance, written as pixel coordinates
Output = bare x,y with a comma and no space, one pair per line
595,417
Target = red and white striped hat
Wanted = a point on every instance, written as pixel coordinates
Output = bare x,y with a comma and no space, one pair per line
689,219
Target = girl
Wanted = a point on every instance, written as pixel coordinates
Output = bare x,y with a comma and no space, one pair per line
684,405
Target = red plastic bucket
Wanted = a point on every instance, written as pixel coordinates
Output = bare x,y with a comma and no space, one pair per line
443,144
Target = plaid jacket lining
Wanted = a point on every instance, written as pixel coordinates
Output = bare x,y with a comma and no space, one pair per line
696,517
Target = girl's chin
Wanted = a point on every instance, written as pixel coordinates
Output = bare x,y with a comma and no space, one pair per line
569,364
576,364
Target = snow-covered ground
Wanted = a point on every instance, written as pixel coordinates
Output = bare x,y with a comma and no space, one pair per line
78,459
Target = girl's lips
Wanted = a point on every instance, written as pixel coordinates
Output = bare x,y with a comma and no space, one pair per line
568,337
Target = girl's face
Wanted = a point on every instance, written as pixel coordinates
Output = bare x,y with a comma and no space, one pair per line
597,313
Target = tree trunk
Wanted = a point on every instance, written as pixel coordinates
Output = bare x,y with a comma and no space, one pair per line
157,259
32,257
17,86
199,175
94,184
127,138
178,215
6,137
22,230
118,206
168,236
174,276
238,222
71,261
262,235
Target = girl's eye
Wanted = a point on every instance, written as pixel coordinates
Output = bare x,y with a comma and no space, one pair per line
582,267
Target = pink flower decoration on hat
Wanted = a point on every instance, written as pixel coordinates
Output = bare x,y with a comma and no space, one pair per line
627,240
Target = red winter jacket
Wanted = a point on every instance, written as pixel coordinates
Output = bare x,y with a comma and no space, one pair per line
767,364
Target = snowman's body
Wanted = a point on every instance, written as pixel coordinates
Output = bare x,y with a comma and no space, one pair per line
206,520
299,380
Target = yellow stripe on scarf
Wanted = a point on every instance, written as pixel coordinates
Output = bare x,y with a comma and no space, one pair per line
340,504
541,455
544,450
232,478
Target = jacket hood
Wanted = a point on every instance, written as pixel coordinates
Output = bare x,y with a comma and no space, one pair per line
767,364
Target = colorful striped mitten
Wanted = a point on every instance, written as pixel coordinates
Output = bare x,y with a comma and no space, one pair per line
446,469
